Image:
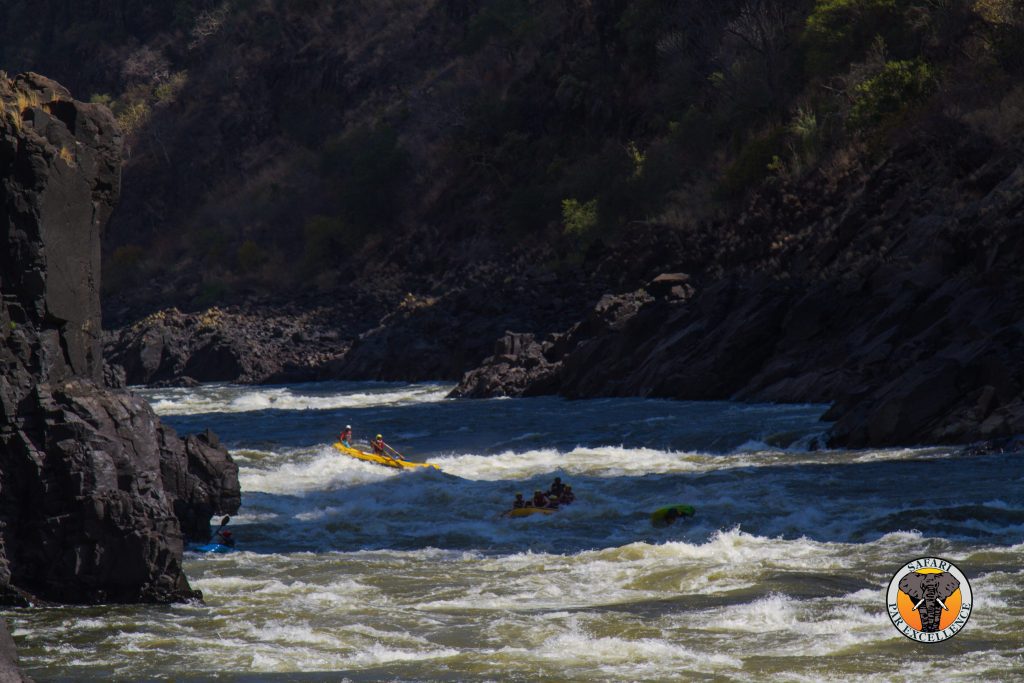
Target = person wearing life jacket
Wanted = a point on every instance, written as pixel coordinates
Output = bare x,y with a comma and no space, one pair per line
519,502
346,436
542,501
378,445
557,487
224,537
567,496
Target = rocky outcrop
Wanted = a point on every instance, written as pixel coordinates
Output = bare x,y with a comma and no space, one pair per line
215,345
375,331
9,658
520,366
91,483
893,293
432,337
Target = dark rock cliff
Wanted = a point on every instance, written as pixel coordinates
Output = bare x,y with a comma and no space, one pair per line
8,658
893,291
96,495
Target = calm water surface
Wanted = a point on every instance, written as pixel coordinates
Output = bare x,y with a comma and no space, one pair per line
349,570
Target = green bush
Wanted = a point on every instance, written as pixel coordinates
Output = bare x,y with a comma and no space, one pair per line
694,135
751,164
250,256
501,20
329,241
579,219
212,243
839,31
1004,29
211,292
368,167
899,85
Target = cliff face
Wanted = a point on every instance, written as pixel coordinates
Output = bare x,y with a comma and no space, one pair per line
8,658
92,485
893,290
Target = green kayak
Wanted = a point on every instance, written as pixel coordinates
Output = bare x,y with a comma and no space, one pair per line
669,514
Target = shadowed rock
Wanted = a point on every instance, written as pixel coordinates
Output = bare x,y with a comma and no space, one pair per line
894,294
9,658
91,483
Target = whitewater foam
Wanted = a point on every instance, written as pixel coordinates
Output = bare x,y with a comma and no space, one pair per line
242,399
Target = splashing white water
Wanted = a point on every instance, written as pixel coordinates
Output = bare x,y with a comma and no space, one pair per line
241,399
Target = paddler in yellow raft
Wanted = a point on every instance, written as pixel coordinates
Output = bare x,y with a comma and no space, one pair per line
382,454
544,503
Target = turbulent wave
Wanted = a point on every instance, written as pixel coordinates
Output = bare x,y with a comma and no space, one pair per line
737,605
318,499
242,399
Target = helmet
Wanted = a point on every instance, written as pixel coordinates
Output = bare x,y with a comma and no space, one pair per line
380,436
348,426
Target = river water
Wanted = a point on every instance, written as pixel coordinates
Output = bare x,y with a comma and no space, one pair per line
352,571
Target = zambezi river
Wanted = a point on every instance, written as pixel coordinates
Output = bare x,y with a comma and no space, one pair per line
347,570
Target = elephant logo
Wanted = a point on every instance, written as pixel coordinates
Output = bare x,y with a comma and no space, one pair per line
929,600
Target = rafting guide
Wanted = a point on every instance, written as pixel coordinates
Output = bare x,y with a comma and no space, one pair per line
929,600
382,453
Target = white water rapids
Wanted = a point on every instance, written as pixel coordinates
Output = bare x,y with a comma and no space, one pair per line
351,571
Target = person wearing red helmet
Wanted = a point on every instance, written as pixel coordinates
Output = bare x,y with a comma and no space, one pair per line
224,537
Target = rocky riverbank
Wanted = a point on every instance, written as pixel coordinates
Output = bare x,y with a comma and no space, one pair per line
9,658
892,291
97,497
377,330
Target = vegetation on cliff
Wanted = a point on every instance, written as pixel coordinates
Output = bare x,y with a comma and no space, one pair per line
265,135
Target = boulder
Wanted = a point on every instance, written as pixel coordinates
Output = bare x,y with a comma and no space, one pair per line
517,366
172,348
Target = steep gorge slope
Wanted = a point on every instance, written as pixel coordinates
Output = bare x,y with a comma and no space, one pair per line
893,290
414,178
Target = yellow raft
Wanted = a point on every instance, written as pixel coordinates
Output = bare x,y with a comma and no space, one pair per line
382,459
524,512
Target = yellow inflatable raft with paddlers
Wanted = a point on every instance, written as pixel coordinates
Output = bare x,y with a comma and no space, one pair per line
385,460
527,511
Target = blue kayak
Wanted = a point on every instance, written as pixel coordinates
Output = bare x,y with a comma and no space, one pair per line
214,548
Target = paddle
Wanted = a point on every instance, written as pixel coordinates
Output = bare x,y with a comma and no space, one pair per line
223,523
400,456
